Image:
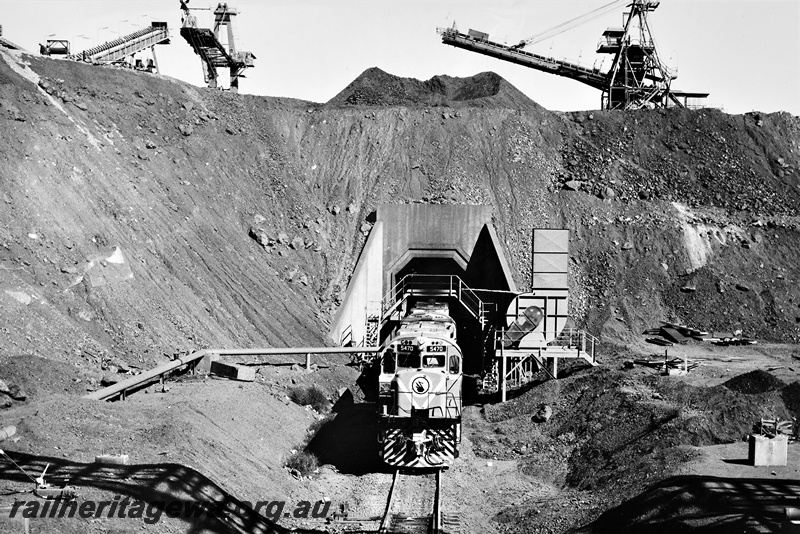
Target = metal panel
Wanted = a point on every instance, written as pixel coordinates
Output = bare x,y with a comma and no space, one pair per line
550,281
550,263
550,240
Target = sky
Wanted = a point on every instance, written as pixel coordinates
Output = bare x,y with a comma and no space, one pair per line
746,54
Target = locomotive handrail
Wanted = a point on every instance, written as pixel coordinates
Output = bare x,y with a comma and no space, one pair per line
446,411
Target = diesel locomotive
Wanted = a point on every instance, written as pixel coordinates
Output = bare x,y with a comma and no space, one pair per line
419,394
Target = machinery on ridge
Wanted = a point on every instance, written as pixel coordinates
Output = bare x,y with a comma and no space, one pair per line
638,78
123,51
214,53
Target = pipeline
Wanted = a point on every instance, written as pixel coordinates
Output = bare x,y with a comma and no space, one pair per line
121,387
7,432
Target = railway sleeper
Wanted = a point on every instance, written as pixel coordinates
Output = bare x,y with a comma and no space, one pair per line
402,524
451,524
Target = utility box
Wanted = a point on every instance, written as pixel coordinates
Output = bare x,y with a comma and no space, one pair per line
480,36
112,459
204,365
233,371
768,451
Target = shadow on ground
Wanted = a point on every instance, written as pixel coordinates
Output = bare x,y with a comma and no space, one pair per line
150,483
566,369
349,441
708,505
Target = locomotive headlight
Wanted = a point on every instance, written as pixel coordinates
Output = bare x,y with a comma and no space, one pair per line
385,388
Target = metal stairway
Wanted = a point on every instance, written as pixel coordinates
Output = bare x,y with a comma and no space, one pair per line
518,365
373,331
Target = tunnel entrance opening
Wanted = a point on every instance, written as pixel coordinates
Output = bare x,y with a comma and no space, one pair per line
439,266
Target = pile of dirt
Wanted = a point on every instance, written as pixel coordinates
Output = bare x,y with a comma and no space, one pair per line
250,212
791,398
375,87
757,381
204,440
744,163
40,377
613,434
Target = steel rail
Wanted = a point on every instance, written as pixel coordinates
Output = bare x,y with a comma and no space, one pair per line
434,523
436,527
387,516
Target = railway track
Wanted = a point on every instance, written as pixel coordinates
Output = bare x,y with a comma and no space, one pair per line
414,506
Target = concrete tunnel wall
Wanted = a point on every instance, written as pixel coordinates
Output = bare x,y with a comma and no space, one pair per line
364,292
415,232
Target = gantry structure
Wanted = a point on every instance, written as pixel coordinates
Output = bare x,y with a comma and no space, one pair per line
213,53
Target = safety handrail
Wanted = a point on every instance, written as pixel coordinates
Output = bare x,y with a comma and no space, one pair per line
452,285
571,338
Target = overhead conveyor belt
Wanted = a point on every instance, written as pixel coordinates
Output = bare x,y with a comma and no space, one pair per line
126,46
592,78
